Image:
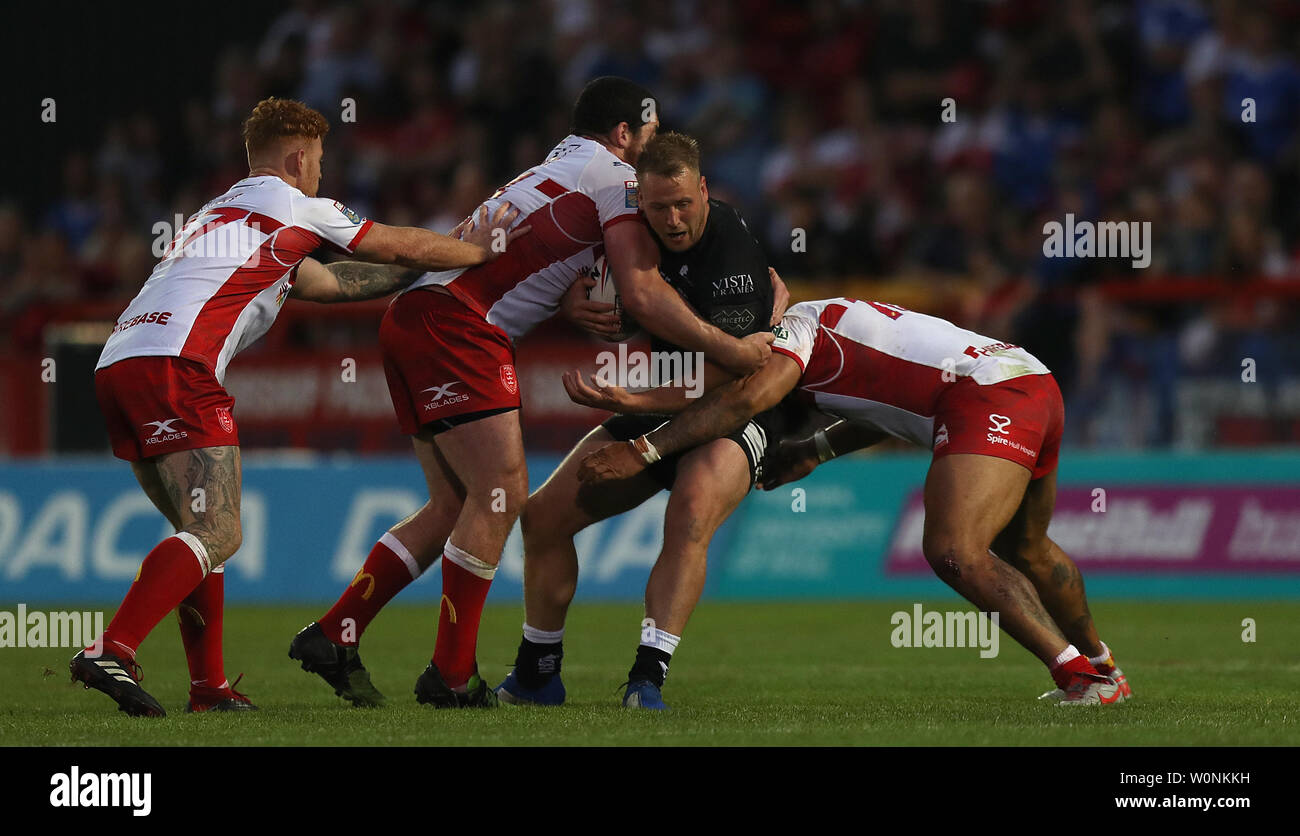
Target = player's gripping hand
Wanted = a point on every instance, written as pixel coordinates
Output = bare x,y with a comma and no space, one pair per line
613,461
596,395
789,461
481,230
780,297
752,353
593,317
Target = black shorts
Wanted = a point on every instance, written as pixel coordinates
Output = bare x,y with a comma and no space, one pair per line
753,439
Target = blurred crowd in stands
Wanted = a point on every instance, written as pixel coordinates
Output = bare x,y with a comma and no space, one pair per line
826,117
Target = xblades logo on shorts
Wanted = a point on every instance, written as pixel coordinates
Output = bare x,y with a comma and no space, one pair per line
164,431
443,395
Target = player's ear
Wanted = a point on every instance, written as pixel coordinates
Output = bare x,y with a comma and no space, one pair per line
704,188
295,162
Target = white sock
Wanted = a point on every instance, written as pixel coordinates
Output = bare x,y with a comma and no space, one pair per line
1103,658
468,562
664,641
1070,652
543,636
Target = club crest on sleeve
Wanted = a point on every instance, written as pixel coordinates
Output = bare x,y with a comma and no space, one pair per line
347,213
629,194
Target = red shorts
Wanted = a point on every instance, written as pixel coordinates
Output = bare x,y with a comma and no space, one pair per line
443,360
1020,420
158,405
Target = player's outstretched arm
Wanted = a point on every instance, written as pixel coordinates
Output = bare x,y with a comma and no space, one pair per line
722,411
475,241
670,398
349,281
634,260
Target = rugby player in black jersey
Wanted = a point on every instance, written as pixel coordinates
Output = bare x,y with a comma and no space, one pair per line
709,256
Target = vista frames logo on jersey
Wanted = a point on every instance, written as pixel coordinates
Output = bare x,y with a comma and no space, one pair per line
164,431
731,285
444,396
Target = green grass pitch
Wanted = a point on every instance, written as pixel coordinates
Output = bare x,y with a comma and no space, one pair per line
787,674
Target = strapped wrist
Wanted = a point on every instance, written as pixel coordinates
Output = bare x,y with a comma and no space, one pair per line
645,449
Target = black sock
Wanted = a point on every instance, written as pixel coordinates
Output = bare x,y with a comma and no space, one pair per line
535,664
651,663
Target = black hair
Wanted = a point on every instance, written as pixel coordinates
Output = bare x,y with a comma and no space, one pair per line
609,100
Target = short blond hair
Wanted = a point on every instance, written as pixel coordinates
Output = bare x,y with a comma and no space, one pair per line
668,155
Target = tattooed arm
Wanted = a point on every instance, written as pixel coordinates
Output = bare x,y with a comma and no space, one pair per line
723,410
349,281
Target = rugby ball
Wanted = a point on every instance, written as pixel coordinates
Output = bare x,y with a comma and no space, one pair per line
604,291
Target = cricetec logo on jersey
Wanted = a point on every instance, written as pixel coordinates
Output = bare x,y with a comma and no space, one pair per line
164,431
735,321
443,396
731,285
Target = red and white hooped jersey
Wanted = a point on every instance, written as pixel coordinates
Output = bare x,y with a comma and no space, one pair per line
225,275
886,366
569,201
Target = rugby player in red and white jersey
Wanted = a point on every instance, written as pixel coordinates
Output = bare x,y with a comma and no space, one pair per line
448,345
991,413
218,288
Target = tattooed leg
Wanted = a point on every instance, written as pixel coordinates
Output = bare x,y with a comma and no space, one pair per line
203,486
1025,545
146,473
969,499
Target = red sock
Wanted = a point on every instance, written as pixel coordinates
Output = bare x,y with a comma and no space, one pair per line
169,573
387,571
200,615
1065,671
465,583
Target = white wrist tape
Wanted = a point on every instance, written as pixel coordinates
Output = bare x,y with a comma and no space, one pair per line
646,449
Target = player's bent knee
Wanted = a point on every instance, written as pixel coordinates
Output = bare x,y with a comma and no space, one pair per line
949,559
